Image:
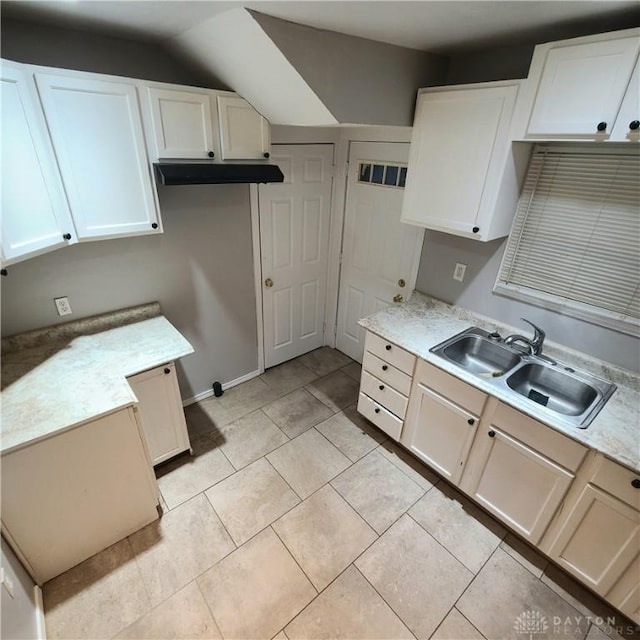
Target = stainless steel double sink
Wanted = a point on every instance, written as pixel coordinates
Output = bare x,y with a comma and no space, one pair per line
575,397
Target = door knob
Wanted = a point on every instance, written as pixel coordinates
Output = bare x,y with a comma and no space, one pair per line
268,283
401,282
398,298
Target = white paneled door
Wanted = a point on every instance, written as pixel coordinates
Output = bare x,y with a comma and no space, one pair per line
380,255
294,239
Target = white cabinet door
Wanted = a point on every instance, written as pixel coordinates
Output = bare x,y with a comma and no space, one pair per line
459,147
599,539
182,124
627,126
626,593
35,213
514,482
97,136
244,133
439,432
579,86
161,412
598,536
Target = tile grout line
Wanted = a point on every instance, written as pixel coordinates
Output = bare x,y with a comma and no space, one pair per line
215,622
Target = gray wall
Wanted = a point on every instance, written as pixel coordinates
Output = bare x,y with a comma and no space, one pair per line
19,620
360,81
55,46
441,251
200,270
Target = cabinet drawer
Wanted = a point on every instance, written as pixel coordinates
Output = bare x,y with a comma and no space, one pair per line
384,394
550,443
616,480
463,394
390,424
387,373
390,353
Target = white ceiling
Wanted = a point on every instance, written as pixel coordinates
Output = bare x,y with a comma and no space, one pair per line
430,25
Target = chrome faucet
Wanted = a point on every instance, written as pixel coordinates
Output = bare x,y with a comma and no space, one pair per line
534,345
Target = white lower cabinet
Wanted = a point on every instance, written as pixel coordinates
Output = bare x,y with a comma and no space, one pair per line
161,413
439,430
520,470
598,536
385,384
84,489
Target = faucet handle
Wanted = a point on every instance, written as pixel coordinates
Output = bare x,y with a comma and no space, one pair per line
538,334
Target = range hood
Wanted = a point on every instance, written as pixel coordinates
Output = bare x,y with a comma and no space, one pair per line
175,173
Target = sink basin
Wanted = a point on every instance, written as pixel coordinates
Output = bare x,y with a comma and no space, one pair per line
573,397
553,389
478,355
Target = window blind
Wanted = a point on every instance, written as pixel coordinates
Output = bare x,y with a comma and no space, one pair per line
576,232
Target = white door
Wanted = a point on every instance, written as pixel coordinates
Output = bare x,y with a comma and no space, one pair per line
97,135
294,239
35,214
380,254
244,133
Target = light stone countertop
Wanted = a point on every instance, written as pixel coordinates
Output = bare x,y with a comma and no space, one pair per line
423,322
61,376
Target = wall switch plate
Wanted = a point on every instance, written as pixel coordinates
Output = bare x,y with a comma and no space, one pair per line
6,582
63,306
458,273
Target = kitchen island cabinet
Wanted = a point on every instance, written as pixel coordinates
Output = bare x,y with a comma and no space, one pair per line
77,473
71,495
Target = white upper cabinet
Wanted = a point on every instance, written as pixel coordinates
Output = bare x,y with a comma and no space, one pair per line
97,135
244,133
35,214
579,86
461,178
183,124
627,125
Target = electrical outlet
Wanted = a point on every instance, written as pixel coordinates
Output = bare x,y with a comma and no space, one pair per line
63,306
458,273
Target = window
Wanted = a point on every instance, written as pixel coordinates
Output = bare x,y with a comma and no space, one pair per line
384,175
575,242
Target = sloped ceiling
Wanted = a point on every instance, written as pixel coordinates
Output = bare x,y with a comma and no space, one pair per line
299,75
236,49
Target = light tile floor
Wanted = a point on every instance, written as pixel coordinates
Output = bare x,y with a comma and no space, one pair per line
296,518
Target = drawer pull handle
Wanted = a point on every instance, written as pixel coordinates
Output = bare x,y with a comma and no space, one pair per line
388,347
635,483
384,367
167,370
381,387
377,410
492,434
602,126
471,421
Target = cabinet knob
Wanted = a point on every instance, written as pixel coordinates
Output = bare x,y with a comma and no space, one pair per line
381,387
66,236
167,370
492,434
211,154
388,347
4,272
154,225
266,154
471,421
602,126
377,409
384,366
475,229
635,483
634,124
